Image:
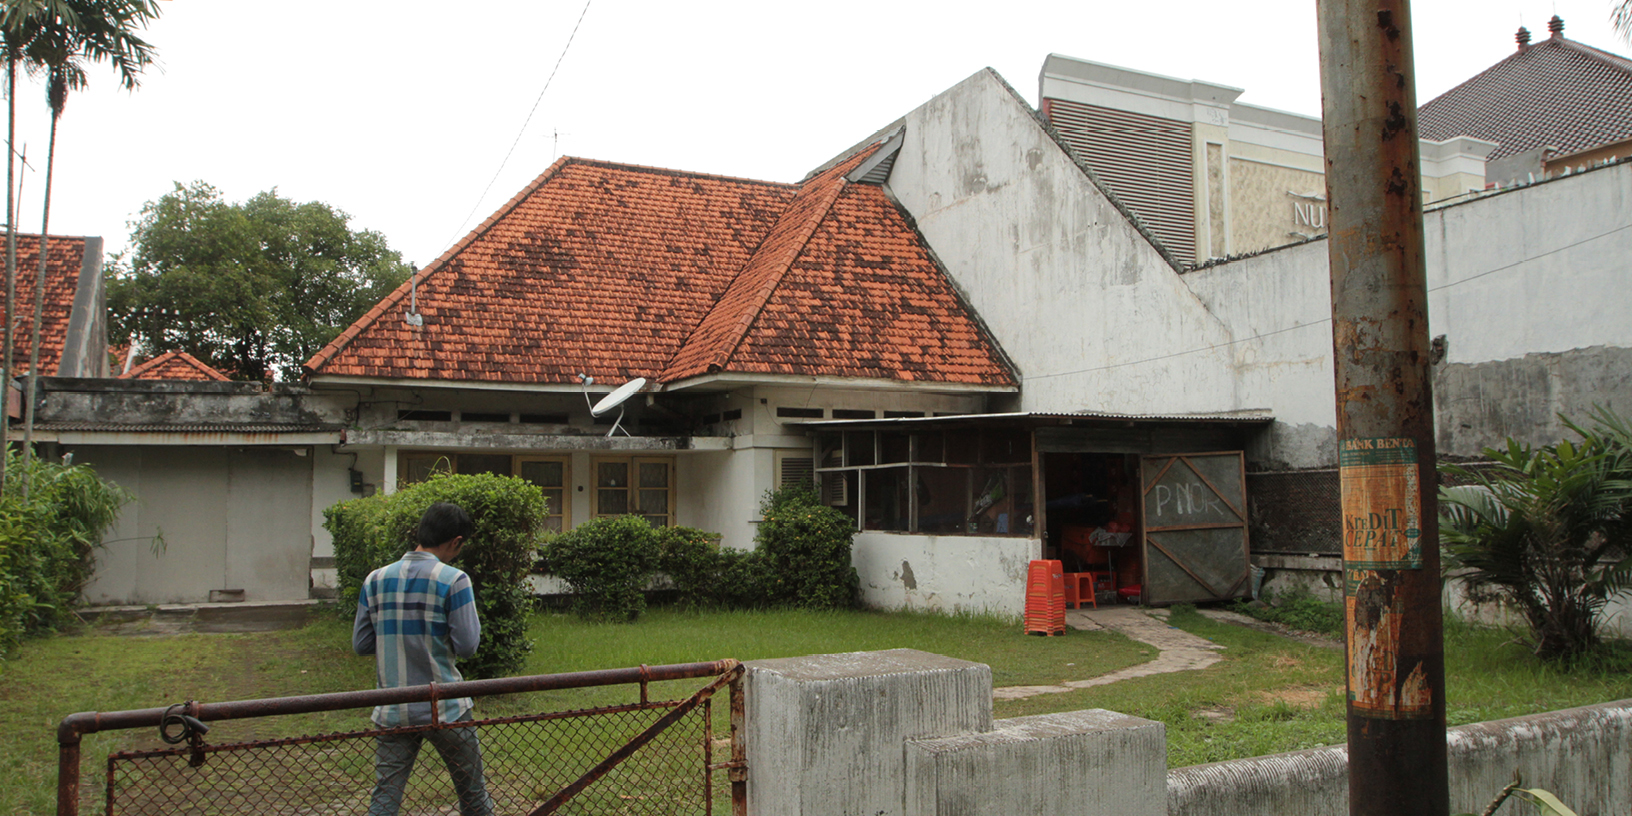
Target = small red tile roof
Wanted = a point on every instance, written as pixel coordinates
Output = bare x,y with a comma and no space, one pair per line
620,271
65,256
1555,92
173,365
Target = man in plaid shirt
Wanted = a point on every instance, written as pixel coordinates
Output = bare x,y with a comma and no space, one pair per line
416,616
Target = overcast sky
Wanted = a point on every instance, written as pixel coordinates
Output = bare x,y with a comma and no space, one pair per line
400,113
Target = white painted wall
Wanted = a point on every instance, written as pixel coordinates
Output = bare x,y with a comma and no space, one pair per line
718,494
944,573
232,518
1536,269
1077,297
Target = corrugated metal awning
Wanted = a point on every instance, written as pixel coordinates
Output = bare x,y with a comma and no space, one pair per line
1044,418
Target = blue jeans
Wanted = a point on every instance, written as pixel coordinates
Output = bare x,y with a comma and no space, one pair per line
461,751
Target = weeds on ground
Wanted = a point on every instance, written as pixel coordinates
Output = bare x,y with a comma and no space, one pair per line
1297,609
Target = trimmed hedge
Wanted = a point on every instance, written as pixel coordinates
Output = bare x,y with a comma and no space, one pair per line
47,543
807,547
802,559
508,514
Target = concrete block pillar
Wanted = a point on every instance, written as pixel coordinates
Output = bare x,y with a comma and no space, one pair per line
826,733
1083,763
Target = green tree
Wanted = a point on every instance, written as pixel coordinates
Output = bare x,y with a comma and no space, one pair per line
252,287
1548,531
60,40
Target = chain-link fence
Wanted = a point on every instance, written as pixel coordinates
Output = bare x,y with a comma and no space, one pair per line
641,757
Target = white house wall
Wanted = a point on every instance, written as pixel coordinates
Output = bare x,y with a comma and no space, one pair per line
718,494
231,518
944,573
1084,305
1528,286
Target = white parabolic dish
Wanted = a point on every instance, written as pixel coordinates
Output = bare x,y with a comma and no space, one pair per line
617,397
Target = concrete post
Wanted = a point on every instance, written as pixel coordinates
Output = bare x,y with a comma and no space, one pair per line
826,733
1083,763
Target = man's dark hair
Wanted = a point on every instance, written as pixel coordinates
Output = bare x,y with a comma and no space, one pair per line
441,523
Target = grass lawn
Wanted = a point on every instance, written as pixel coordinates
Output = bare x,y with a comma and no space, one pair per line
98,672
1268,694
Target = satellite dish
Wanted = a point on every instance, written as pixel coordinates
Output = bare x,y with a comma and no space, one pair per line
617,397
616,400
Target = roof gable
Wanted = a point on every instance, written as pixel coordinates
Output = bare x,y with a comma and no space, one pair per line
64,260
173,365
1553,93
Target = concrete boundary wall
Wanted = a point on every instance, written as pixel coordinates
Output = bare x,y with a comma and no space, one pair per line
1584,755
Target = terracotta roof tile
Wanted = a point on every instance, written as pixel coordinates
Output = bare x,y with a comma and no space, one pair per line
66,255
621,271
173,365
1555,92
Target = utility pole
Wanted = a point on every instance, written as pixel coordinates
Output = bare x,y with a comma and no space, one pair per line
1385,424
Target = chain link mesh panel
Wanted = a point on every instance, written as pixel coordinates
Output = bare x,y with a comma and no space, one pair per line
526,761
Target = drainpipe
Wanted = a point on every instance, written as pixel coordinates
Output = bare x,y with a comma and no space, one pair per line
1385,425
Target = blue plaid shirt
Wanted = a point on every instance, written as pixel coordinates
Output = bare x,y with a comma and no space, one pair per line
415,616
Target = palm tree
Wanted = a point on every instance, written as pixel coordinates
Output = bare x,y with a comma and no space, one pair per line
1547,530
89,29
1621,15
16,27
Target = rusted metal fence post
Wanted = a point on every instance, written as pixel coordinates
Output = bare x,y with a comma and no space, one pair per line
1385,428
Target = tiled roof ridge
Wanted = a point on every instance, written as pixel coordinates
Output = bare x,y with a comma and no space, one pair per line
669,171
386,303
136,371
722,330
1613,60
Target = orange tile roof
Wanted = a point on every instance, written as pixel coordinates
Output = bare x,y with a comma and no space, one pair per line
620,271
173,365
63,263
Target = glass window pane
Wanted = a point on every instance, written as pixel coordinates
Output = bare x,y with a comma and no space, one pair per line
858,448
1005,446
474,463
943,499
420,468
654,501
654,474
658,521
545,474
552,500
612,474
894,446
613,502
1023,519
552,524
886,499
931,448
993,510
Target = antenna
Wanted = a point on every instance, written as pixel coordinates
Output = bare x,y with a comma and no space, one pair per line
412,317
616,400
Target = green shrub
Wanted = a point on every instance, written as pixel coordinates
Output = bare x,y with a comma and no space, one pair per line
508,516
744,579
47,542
607,562
806,546
690,558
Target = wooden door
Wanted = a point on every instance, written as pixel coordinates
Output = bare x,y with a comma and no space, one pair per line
1195,527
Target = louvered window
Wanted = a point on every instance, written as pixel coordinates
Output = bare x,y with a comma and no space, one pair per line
1146,160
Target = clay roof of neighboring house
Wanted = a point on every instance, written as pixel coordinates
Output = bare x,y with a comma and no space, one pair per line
65,256
173,365
1556,92
620,271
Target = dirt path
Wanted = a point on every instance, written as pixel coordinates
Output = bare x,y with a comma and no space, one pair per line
1177,650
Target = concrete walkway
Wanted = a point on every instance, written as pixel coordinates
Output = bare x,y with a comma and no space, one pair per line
1178,650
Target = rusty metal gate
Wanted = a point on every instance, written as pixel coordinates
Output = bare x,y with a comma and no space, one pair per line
642,756
1195,523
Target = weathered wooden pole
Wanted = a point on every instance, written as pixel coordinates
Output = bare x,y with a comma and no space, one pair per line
1385,428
